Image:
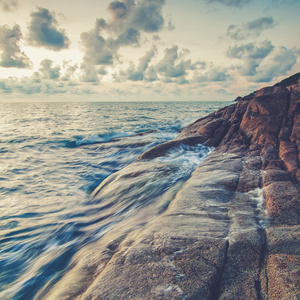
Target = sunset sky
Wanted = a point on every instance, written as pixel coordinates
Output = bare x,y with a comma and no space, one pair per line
98,50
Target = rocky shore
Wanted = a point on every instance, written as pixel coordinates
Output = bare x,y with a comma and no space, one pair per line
232,231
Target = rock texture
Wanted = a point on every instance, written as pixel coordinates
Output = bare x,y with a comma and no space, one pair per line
232,231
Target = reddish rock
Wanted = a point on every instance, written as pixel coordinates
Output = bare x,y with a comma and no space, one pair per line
284,276
214,239
263,130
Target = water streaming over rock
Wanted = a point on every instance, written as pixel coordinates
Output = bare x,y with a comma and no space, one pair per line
54,155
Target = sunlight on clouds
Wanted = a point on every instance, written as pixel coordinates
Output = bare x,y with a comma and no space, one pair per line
145,49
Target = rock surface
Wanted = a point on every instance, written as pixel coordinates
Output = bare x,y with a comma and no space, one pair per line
232,231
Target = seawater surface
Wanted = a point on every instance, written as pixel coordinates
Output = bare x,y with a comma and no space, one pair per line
53,156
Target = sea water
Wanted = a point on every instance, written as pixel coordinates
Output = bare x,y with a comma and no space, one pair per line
53,156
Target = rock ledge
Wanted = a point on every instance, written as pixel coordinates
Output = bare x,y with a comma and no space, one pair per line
233,229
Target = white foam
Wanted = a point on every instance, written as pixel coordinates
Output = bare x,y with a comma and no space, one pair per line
184,155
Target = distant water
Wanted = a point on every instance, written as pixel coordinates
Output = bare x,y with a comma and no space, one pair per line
52,156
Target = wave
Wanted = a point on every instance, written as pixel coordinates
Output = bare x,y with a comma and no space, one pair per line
101,138
186,155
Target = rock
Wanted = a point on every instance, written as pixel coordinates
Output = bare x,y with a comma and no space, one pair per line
231,231
284,276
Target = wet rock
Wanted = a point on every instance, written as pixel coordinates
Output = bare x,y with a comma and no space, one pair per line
231,231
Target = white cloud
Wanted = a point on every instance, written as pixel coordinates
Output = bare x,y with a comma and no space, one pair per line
278,63
250,55
129,20
264,62
12,56
49,72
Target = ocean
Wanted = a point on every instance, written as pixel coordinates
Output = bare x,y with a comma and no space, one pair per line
54,155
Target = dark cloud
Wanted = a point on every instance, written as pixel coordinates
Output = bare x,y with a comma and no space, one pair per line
12,56
9,5
120,11
250,50
233,3
130,36
250,29
147,16
44,31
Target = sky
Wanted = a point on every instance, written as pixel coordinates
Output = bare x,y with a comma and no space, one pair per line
145,50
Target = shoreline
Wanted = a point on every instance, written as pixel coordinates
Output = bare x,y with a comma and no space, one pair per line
209,243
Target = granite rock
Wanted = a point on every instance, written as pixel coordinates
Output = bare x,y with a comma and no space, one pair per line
231,231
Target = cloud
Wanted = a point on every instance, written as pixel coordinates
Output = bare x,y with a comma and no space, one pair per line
89,73
49,72
98,50
250,29
119,11
49,80
4,87
212,74
44,31
277,64
12,56
170,67
9,5
147,15
250,55
130,36
69,71
264,62
250,50
146,59
128,21
173,67
232,3
141,72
